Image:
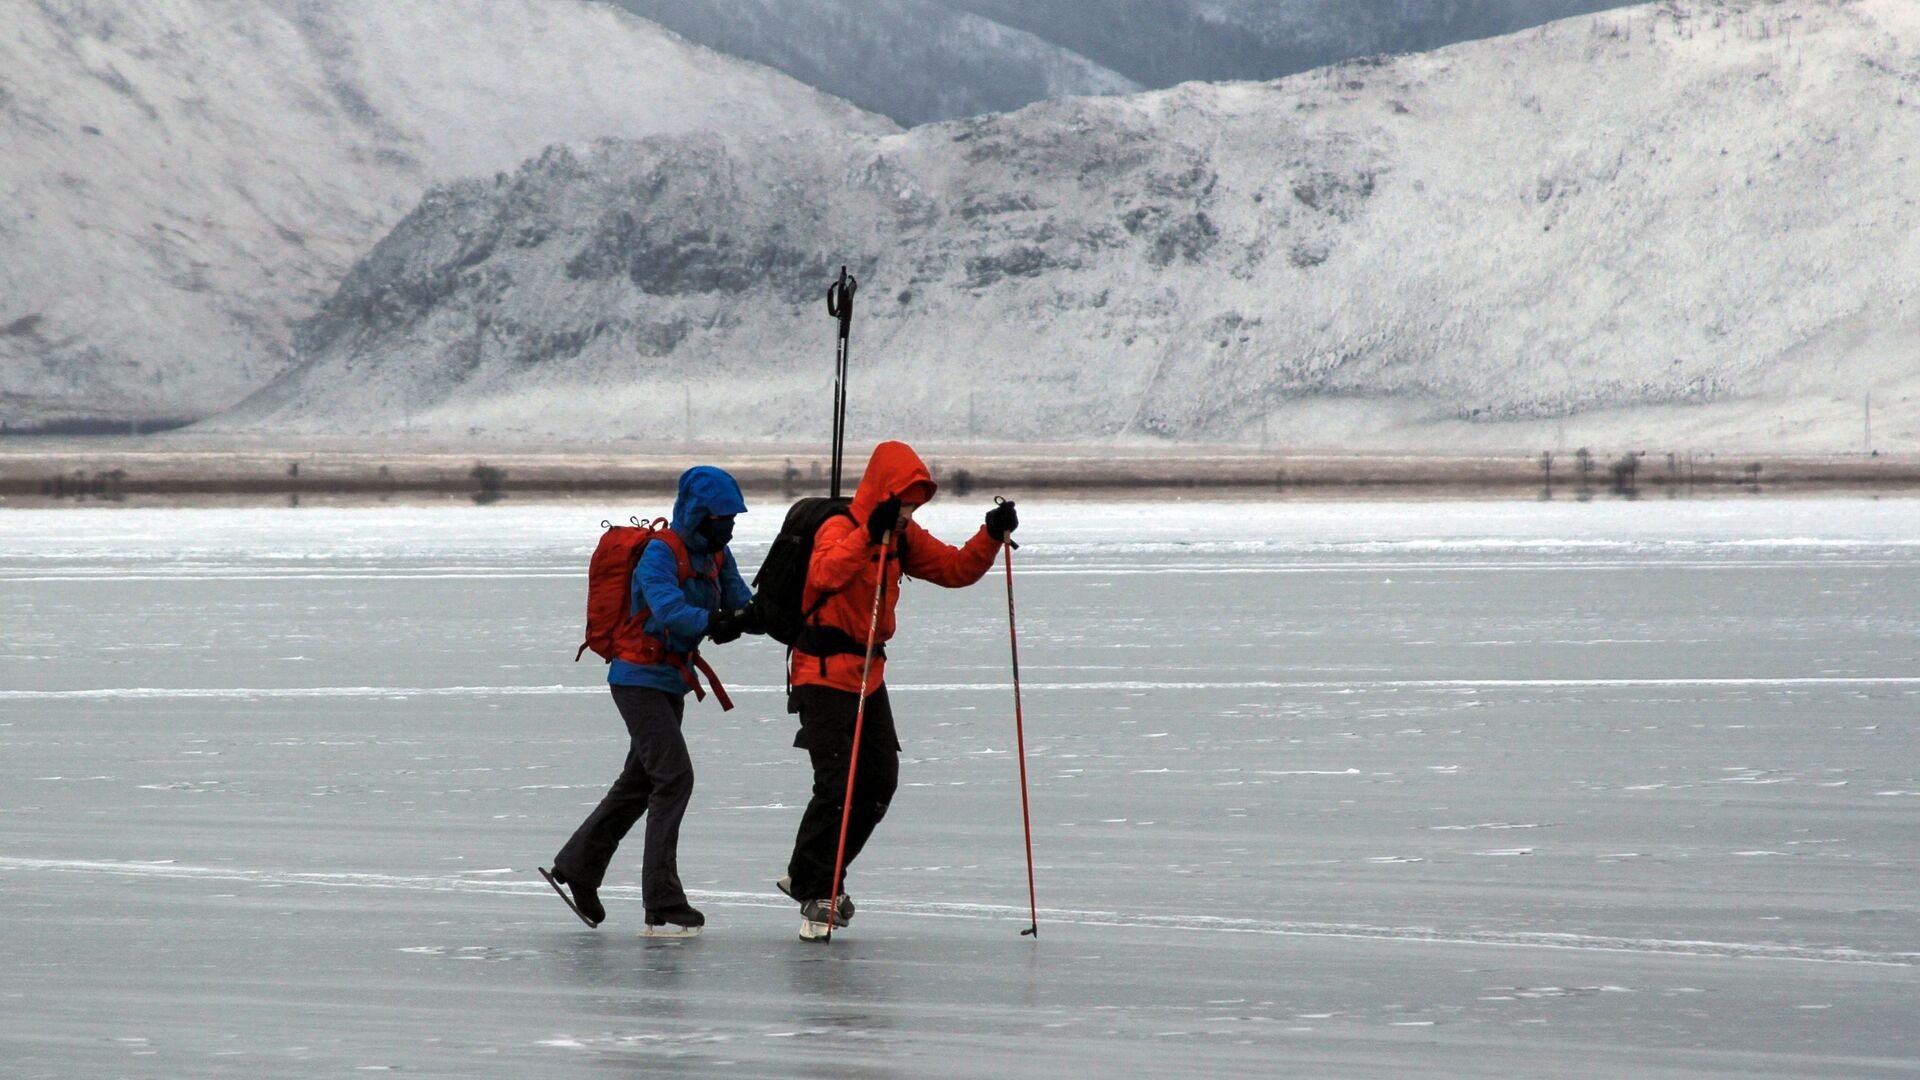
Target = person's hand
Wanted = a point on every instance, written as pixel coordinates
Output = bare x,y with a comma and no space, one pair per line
726,624
1002,520
750,620
883,519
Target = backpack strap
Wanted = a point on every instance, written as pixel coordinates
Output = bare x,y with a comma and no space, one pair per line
682,558
825,641
686,664
819,640
689,664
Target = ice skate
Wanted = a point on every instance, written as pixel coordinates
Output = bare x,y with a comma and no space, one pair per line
679,921
814,921
785,885
582,900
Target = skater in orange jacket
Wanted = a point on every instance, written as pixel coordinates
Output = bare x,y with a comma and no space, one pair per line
827,658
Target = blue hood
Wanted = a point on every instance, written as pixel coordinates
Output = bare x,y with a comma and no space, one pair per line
705,491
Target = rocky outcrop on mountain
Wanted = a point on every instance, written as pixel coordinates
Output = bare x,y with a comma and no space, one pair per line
186,179
1689,221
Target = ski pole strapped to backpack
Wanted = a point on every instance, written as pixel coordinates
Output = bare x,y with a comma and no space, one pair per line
612,633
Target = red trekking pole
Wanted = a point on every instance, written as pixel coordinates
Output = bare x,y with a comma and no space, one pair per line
1020,736
859,718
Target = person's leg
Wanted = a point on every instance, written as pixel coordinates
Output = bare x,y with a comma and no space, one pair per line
826,732
826,723
663,750
811,866
876,779
583,860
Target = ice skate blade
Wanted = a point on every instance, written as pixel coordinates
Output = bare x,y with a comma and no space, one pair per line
554,881
817,932
670,931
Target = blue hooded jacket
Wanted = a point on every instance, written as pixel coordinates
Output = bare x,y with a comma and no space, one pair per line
679,613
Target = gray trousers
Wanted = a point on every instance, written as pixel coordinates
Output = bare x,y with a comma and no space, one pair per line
657,782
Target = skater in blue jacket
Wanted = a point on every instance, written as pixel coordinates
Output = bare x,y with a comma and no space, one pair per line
692,591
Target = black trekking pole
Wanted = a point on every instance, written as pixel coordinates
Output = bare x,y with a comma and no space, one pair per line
840,306
1020,737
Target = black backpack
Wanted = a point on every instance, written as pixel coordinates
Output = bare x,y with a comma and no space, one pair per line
778,587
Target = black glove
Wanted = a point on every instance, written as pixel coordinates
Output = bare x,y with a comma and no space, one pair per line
883,519
726,624
751,621
1002,520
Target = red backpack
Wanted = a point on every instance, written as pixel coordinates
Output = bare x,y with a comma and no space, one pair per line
612,633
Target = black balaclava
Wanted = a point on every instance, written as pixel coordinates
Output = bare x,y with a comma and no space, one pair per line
716,531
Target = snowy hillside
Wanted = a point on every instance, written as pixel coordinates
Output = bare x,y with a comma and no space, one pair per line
1690,223
184,179
1163,42
923,60
912,60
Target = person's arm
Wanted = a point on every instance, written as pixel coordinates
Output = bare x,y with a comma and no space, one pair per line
734,592
841,549
658,580
931,559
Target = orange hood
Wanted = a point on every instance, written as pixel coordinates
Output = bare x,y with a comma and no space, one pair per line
894,469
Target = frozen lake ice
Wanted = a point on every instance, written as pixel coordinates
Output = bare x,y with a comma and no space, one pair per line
1329,789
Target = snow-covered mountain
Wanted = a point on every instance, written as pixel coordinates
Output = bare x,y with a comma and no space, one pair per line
1687,223
912,60
183,180
1163,42
923,60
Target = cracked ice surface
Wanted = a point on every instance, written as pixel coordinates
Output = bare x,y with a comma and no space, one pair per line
1462,789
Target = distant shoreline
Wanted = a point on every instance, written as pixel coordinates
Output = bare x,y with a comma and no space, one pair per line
36,472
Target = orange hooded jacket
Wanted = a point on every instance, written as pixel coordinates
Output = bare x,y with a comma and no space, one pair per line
843,567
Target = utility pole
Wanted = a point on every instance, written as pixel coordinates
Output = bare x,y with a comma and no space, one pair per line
1869,419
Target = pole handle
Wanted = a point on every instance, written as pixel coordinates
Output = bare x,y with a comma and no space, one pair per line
840,299
1002,500
840,305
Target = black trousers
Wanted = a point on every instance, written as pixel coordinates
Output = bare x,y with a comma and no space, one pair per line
826,733
657,782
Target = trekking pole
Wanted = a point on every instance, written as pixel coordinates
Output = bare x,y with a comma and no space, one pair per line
859,718
840,306
1020,737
